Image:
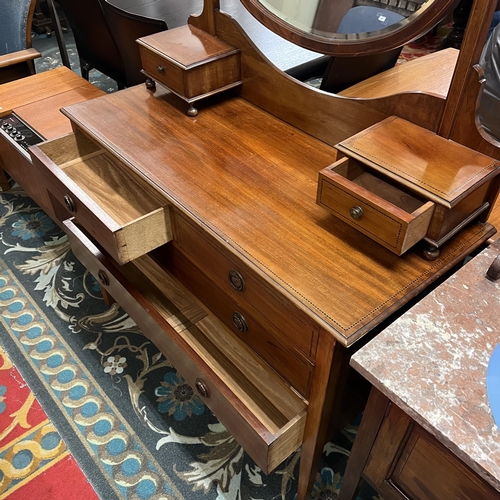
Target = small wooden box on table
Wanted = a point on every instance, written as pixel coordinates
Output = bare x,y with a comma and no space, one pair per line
399,183
190,62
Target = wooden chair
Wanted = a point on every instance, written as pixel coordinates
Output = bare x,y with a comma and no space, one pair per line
16,53
95,44
126,28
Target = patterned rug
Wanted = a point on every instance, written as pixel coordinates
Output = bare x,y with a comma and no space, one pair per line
33,457
134,426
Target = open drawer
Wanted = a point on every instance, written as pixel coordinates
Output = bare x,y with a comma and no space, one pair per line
114,205
353,192
262,413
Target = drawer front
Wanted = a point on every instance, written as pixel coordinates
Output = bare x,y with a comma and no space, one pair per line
114,206
268,421
246,289
296,371
345,204
426,465
354,203
163,71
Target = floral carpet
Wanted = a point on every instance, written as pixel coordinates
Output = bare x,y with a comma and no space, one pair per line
33,457
134,426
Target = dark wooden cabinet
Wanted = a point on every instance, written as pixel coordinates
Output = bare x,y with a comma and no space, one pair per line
403,461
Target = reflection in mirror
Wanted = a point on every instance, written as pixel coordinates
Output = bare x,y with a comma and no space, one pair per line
489,103
332,17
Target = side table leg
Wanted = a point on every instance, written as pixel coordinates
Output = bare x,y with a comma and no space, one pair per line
374,413
324,380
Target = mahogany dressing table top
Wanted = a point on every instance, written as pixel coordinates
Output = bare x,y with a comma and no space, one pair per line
250,180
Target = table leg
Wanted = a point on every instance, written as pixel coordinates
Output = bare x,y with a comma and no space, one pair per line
373,416
324,382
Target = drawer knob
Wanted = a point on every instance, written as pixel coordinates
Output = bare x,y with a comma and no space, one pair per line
236,280
70,204
103,278
240,322
356,212
160,69
202,389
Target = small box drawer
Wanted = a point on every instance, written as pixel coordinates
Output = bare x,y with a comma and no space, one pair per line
364,199
294,368
247,289
115,206
166,73
263,414
190,62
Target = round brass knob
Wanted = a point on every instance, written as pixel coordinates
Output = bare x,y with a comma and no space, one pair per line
202,389
70,204
103,278
160,69
240,322
356,212
236,280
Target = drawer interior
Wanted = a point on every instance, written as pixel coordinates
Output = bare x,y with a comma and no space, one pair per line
375,182
120,193
273,412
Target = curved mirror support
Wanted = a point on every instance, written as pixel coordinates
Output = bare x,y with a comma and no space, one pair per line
349,27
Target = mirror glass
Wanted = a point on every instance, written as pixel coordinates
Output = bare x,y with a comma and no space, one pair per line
349,27
331,18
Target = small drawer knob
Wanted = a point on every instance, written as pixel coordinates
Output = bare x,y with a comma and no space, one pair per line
103,278
202,389
356,212
240,322
70,204
160,69
236,280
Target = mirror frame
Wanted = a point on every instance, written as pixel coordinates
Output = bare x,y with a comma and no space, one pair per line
416,25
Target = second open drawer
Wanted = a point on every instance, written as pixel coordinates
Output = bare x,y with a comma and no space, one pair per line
360,196
256,406
113,204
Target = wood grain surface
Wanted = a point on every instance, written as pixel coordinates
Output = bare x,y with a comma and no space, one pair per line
250,180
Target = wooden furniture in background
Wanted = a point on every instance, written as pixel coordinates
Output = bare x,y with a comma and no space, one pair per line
37,101
126,28
427,430
16,52
403,461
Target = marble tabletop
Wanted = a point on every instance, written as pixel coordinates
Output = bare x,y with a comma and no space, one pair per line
432,363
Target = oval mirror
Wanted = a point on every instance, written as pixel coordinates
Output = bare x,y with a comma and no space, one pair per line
349,27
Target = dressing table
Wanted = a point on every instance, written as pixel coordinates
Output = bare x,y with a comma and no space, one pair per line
205,229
